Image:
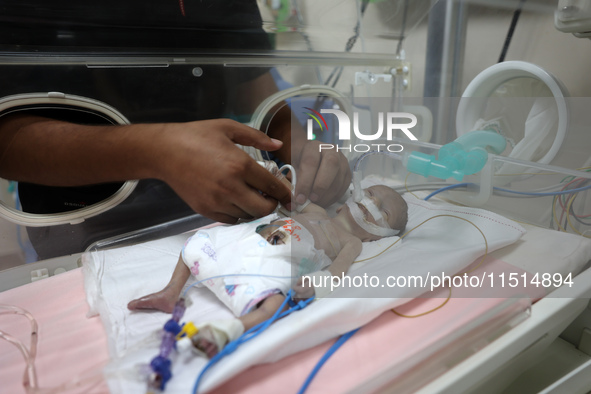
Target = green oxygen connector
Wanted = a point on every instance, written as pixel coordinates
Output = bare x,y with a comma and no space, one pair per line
467,155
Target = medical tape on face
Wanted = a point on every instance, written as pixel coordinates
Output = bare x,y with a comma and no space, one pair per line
358,192
371,228
374,211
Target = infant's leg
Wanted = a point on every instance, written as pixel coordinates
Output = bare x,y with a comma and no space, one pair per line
165,299
264,312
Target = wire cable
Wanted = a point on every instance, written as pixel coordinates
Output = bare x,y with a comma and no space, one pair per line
511,30
402,28
427,312
535,194
531,194
568,219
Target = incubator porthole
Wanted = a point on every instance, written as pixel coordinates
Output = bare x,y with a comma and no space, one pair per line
310,94
62,205
521,101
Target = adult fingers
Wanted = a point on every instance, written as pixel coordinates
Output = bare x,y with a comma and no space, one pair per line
327,173
339,183
254,204
248,136
243,184
271,187
307,166
229,215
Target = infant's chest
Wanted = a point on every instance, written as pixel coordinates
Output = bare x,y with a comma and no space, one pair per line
326,238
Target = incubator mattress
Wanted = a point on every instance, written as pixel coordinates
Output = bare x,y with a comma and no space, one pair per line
442,245
71,343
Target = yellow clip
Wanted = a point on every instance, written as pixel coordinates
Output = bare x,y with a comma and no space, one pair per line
188,330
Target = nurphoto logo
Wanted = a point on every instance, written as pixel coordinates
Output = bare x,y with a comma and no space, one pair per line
391,119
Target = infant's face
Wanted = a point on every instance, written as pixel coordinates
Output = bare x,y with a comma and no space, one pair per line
387,201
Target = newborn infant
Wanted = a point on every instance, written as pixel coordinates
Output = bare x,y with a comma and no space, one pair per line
268,252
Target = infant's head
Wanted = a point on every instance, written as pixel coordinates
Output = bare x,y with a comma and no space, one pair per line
389,211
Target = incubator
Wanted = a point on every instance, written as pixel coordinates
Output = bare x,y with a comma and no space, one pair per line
470,104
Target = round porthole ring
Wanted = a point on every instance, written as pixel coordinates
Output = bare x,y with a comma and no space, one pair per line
485,83
270,102
15,103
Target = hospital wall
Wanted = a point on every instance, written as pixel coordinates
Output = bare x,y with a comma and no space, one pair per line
534,40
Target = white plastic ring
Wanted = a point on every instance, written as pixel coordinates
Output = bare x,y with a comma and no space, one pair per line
270,102
10,104
485,83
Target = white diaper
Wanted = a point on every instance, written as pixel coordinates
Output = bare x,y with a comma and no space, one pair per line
242,268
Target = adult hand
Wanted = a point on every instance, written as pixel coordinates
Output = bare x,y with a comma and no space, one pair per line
322,176
199,160
215,177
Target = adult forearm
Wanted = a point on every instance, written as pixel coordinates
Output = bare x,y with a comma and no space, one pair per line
199,160
56,153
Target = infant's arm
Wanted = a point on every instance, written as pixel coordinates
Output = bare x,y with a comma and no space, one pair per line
347,255
340,265
310,207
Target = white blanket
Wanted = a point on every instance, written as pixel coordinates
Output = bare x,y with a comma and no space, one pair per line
114,277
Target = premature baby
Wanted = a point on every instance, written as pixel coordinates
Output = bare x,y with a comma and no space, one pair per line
272,247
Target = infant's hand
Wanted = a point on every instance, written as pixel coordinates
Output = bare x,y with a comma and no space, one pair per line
303,291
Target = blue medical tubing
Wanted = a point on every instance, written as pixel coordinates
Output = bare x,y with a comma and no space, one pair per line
335,346
533,194
454,186
559,193
252,333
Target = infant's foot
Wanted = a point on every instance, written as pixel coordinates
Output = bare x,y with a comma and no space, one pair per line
163,301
